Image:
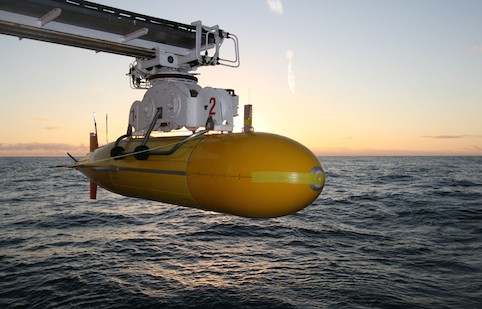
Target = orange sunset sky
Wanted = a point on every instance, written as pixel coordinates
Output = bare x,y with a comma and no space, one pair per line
341,77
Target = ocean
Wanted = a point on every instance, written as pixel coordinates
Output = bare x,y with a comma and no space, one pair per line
387,232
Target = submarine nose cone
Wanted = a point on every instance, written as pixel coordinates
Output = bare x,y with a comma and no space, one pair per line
257,175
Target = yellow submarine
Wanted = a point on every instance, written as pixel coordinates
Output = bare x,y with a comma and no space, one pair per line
248,174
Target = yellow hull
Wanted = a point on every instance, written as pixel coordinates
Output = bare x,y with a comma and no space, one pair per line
246,174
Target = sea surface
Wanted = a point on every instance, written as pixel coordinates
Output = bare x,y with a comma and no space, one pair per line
387,232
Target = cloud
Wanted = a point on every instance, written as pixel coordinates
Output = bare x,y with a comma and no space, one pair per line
291,75
445,136
343,151
41,149
276,6
51,128
340,151
477,48
40,120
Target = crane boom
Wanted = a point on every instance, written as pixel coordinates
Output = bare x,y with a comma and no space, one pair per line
90,25
165,53
152,41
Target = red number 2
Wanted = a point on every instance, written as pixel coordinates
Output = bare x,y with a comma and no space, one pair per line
211,111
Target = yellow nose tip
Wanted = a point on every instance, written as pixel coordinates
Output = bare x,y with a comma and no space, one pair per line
254,175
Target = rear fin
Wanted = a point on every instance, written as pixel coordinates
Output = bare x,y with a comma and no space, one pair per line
72,157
